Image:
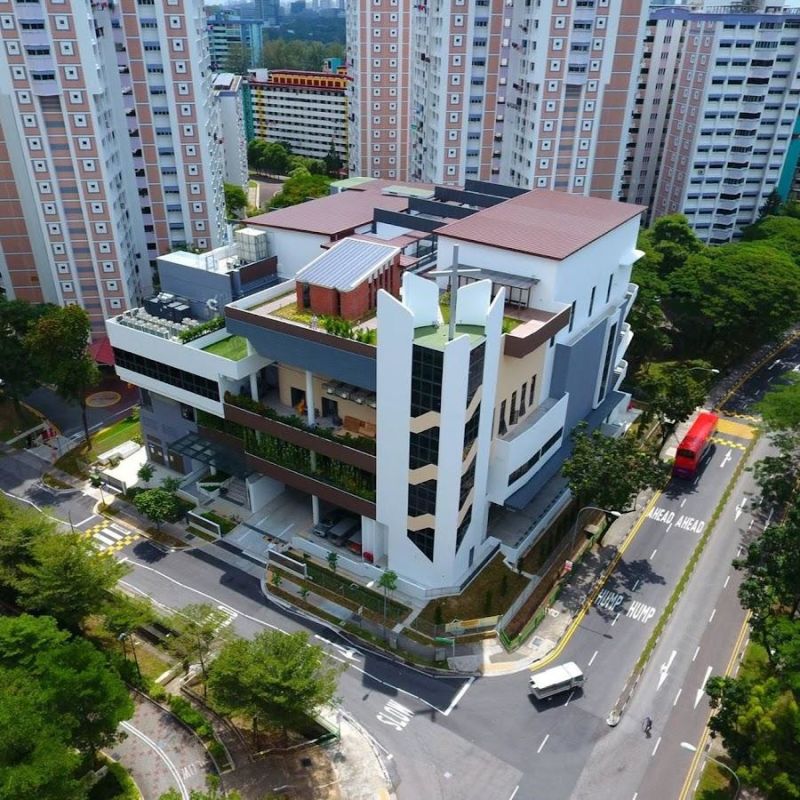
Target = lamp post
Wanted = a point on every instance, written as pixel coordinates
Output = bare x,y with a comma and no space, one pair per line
712,370
692,749
614,514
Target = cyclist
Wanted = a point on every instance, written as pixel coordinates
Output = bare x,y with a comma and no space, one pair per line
647,725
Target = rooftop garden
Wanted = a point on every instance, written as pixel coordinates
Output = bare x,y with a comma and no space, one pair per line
233,348
335,326
509,323
358,442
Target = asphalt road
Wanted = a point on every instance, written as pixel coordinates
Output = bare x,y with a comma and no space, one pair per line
457,738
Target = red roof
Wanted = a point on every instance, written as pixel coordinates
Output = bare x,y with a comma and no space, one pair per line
102,352
543,223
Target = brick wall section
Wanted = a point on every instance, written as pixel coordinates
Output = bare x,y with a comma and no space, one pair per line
356,303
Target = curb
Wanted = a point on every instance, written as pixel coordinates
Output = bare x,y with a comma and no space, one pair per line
359,644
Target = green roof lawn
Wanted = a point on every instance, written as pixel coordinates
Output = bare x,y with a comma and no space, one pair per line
233,348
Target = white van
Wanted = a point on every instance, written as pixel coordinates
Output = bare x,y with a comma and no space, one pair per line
556,679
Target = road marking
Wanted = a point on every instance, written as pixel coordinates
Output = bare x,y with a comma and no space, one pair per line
641,612
739,551
285,530
570,697
683,502
461,692
514,793
728,457
675,701
725,585
702,689
712,615
739,510
395,715
84,521
615,620
544,742
665,669
608,599
594,656
653,554
184,792
696,652
656,747
636,585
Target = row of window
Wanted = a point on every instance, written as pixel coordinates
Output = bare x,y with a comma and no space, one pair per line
173,376
536,457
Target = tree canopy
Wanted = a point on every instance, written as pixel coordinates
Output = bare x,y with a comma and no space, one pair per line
609,472
285,54
238,59
276,679
158,505
235,200
780,406
300,186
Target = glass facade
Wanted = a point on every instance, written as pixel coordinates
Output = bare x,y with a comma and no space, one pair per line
534,459
426,380
422,498
423,540
171,375
424,448
475,377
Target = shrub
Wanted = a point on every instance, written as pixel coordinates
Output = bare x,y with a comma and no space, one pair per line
190,716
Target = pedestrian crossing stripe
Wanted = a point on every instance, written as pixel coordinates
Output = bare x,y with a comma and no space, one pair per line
728,443
107,539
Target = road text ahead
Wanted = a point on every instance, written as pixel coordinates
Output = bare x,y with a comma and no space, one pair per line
686,523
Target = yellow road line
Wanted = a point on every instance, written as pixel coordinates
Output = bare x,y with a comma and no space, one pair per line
700,752
558,649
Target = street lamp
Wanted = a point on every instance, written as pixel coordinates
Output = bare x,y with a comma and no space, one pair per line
578,516
692,749
712,370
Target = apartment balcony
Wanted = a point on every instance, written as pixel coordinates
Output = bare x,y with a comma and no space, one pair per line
727,205
625,338
620,372
761,72
735,173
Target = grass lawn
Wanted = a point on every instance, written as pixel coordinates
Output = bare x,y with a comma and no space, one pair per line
715,784
294,314
233,348
12,423
489,594
151,663
755,663
114,435
509,323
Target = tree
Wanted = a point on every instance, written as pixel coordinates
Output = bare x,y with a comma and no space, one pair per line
777,476
387,582
200,627
333,161
36,758
18,374
673,391
674,241
772,205
274,679
19,529
609,473
235,200
780,406
213,792
305,55
145,472
58,345
66,578
782,233
74,680
734,296
239,59
333,560
158,505
300,186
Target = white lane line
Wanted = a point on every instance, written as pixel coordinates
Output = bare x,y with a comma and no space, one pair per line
739,551
696,652
615,620
285,530
683,502
725,585
31,503
594,656
514,793
636,585
265,624
713,614
635,795
570,697
656,747
84,521
653,554
544,742
461,692
162,755
675,701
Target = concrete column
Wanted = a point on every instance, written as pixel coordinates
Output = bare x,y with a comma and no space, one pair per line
310,399
314,509
254,386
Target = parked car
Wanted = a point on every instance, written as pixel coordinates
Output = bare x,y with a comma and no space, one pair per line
343,530
323,527
354,542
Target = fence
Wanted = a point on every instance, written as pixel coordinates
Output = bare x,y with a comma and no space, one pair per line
204,524
288,563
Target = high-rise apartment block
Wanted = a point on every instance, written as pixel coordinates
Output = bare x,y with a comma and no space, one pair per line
229,92
715,114
306,110
534,95
379,67
358,391
109,148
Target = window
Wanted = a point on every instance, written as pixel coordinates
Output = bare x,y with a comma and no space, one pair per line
533,389
572,316
610,285
170,375
591,300
426,380
423,448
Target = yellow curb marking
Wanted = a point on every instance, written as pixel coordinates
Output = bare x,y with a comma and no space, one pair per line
737,429
728,443
559,648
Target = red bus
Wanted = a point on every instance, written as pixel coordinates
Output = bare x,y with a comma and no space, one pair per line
696,445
